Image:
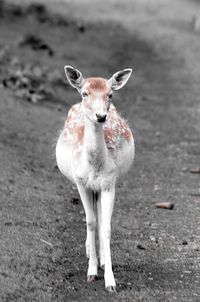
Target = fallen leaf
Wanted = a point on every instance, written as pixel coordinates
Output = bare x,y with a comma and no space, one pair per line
195,170
165,205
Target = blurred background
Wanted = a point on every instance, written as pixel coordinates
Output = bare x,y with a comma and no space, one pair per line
155,251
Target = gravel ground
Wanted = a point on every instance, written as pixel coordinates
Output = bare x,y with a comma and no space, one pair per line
156,252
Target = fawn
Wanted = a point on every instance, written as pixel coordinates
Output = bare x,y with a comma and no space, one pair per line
95,147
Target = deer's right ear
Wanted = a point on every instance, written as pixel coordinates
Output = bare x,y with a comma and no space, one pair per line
74,76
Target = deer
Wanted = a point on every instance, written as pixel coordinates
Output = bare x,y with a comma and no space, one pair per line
94,149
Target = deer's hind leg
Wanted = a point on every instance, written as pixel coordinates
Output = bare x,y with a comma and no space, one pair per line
91,222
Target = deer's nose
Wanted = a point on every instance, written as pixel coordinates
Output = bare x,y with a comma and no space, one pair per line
101,117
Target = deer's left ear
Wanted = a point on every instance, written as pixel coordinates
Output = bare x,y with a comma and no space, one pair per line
119,79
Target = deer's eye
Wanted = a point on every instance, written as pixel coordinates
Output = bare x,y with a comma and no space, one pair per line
110,96
84,94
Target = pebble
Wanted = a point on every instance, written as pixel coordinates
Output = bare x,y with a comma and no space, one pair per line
75,200
140,247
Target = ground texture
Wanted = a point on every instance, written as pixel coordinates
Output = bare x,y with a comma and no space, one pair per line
156,252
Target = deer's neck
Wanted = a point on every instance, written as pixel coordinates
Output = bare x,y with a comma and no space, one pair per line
94,146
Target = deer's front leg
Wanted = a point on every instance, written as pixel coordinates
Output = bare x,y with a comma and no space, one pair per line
101,248
107,203
87,200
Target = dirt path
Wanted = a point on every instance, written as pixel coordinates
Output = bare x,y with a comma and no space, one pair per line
156,253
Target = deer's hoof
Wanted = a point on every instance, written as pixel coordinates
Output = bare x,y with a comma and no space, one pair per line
111,289
91,278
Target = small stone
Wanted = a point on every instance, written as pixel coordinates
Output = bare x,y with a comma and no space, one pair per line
55,167
35,98
11,181
179,248
75,200
156,187
184,242
80,26
153,238
140,247
59,108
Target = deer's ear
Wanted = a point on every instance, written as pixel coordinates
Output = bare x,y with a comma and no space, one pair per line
74,76
119,79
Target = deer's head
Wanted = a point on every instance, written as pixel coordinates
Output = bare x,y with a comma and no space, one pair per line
96,92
